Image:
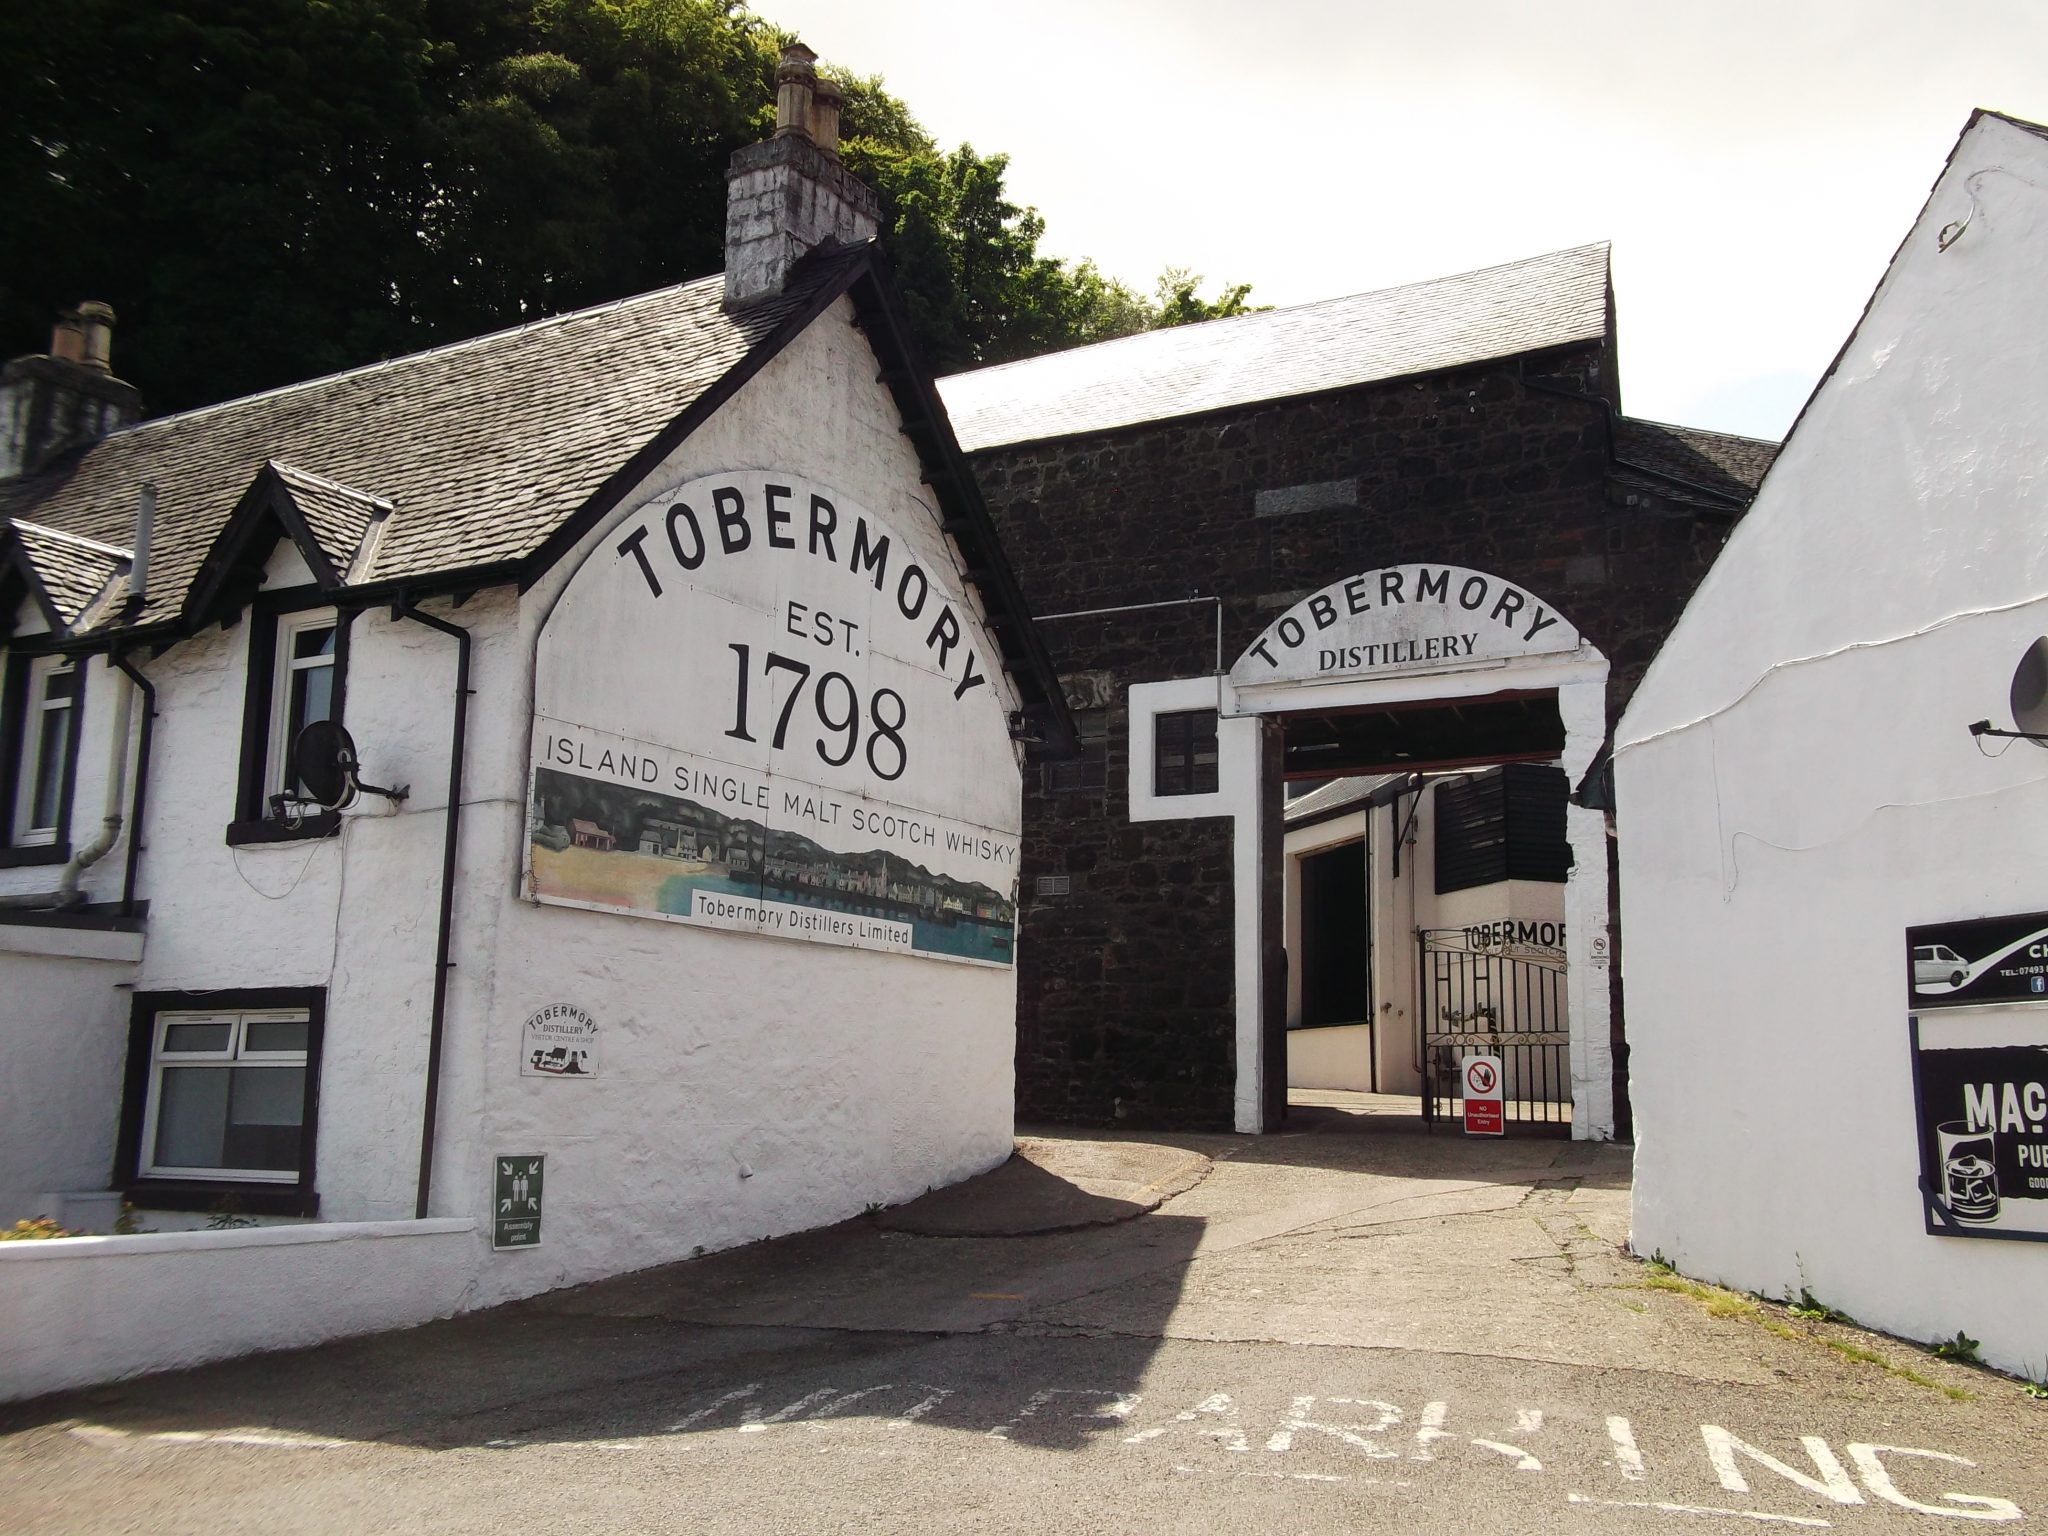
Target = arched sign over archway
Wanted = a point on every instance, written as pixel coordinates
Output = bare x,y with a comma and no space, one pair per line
1402,619
759,707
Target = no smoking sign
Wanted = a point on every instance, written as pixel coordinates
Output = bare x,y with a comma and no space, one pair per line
1485,1114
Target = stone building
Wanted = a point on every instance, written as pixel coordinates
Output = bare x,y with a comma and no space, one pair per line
1167,497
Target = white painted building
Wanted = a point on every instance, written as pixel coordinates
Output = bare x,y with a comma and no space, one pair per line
687,604
1800,786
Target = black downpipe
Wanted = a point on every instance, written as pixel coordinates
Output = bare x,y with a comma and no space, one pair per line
441,961
140,798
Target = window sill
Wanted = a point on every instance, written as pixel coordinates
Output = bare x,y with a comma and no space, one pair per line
28,855
204,1195
272,830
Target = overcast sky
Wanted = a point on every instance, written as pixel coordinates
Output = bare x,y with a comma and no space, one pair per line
1754,164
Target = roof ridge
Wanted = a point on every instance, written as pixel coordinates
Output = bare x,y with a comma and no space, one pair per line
446,347
63,536
323,481
1290,309
1678,426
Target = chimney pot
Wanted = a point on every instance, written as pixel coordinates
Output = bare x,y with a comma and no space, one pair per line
796,79
826,101
67,337
791,194
97,321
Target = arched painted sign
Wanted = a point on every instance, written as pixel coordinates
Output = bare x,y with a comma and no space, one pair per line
1403,618
757,706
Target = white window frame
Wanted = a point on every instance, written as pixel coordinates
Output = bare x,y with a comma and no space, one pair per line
237,1056
284,666
36,720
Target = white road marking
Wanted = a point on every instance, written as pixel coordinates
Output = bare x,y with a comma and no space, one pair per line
1524,1462
1833,1483
1297,1421
1119,1406
1627,1455
1430,1428
692,1420
1528,1420
1704,1509
1879,1481
1216,1404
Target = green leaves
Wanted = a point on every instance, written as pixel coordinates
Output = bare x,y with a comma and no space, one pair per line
267,190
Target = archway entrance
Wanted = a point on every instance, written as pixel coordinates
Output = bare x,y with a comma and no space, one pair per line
1421,701
1422,905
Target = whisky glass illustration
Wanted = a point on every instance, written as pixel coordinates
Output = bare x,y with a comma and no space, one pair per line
1969,1175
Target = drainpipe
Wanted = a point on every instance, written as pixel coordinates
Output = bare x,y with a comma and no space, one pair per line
67,893
437,1024
141,797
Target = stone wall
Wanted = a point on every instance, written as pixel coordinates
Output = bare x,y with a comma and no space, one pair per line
1125,1006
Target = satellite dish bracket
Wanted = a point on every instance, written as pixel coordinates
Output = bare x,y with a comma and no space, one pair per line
324,760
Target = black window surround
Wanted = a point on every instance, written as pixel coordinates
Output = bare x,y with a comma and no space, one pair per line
253,821
14,741
1184,753
242,1196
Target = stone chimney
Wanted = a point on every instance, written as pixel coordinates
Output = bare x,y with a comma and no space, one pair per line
70,396
791,194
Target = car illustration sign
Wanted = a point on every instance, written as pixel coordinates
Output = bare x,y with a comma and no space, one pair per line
1984,960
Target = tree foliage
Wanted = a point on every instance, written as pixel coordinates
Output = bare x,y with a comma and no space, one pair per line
271,189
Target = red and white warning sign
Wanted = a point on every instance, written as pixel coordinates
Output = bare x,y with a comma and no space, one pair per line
1484,1114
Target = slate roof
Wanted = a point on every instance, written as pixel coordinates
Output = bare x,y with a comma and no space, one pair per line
1526,306
468,465
76,574
339,516
1688,465
482,448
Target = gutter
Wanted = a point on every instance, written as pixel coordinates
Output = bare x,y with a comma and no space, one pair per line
437,1027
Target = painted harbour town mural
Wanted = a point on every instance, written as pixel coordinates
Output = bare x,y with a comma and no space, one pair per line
606,845
759,707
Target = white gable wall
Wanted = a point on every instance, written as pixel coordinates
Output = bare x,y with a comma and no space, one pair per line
748,1085
1797,786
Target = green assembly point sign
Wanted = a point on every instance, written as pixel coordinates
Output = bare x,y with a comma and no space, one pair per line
515,1202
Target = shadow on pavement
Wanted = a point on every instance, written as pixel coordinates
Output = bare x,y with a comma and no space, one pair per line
866,1319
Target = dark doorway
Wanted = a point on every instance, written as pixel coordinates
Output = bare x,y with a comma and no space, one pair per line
1336,937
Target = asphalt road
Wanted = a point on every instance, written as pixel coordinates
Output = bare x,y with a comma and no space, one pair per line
1318,1332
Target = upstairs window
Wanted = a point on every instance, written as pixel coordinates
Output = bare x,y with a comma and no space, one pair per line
301,691
298,670
42,712
1184,753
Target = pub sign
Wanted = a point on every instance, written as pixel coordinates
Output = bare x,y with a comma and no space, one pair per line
1980,1074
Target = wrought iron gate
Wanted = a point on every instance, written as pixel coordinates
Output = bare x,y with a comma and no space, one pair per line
1474,997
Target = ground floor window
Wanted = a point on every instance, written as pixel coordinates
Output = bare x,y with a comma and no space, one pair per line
220,1110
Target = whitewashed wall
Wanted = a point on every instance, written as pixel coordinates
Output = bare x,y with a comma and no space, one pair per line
749,1086
64,1036
1797,785
81,1310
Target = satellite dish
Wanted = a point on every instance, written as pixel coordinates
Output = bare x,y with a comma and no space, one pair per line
2030,692
324,760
